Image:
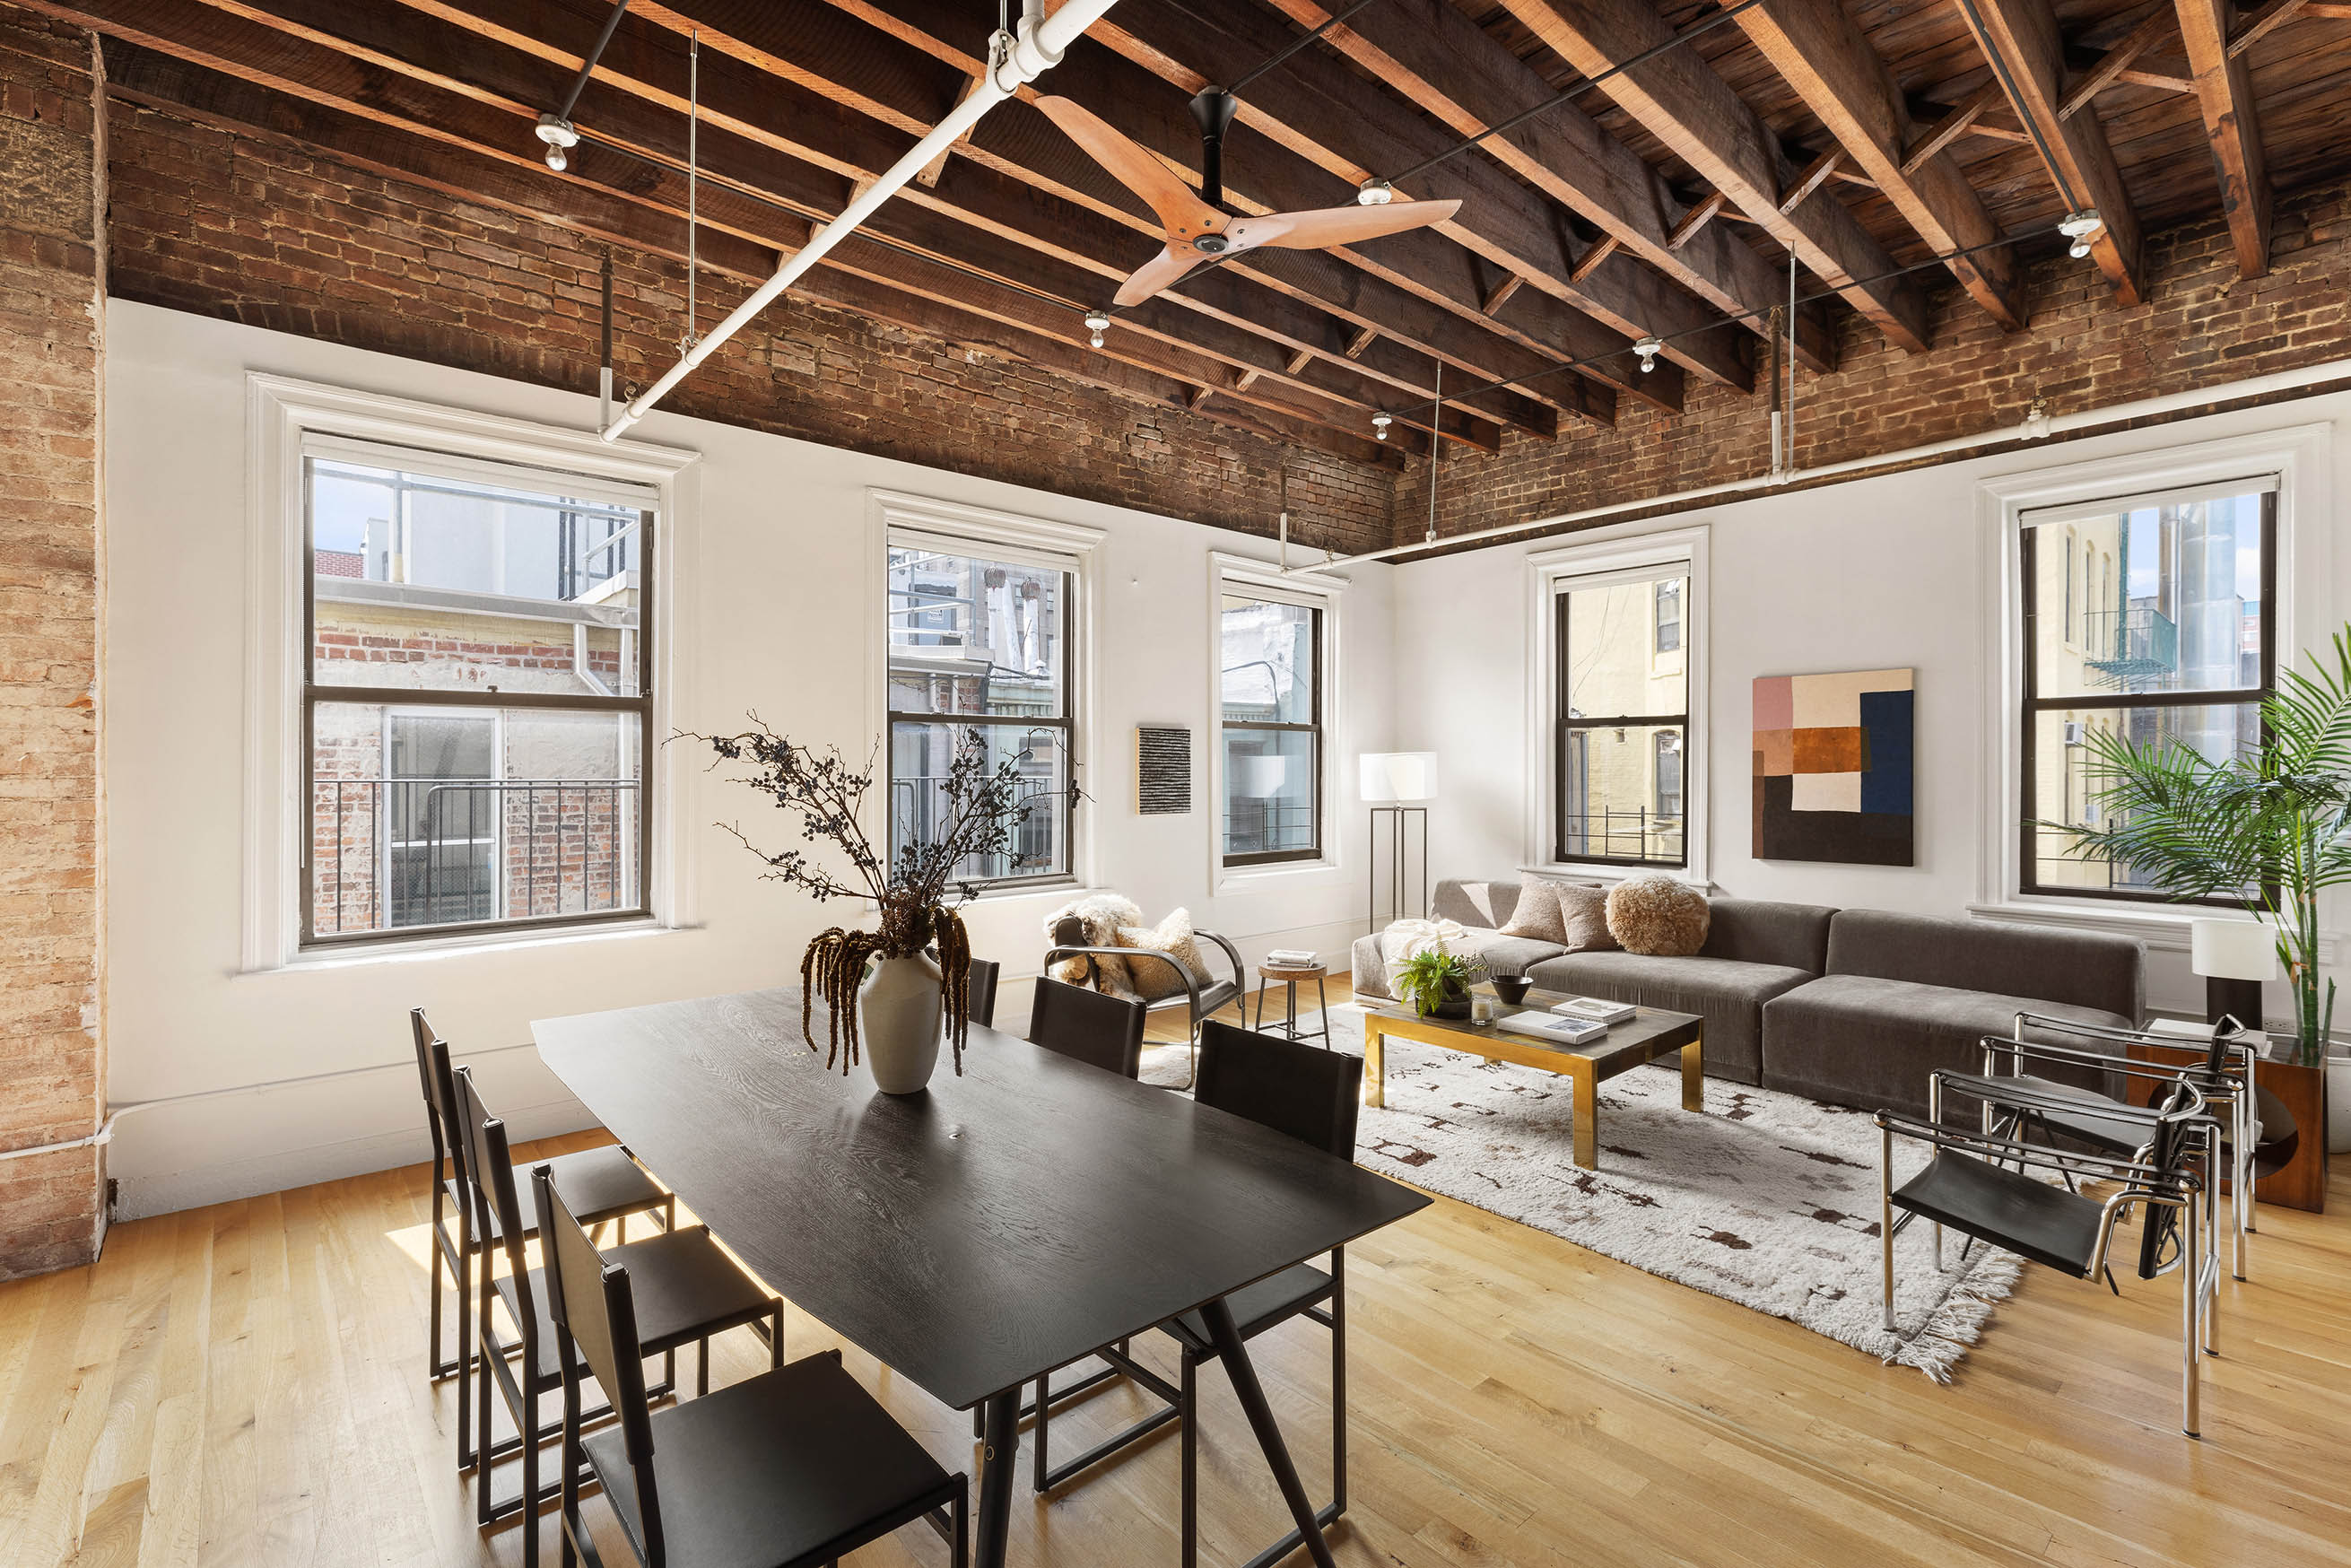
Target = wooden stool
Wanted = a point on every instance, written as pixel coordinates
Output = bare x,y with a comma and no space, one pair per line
1291,975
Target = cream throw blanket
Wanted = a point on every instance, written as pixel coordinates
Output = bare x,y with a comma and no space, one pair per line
1405,938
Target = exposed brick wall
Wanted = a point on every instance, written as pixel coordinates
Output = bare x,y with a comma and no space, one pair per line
2202,324
51,265
257,229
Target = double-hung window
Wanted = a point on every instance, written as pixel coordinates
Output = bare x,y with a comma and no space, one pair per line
476,695
979,644
1270,715
1620,731
2162,630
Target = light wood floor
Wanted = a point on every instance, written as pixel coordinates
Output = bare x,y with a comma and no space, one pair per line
244,1385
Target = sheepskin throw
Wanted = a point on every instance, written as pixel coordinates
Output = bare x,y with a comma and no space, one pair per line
1658,917
1102,914
1154,977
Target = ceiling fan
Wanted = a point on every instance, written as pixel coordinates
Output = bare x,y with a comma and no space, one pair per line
1200,228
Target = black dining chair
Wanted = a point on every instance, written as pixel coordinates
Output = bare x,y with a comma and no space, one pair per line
980,991
1967,1186
691,1291
796,1465
1088,1026
1306,1093
610,1186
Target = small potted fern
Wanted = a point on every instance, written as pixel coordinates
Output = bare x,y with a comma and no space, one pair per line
1436,984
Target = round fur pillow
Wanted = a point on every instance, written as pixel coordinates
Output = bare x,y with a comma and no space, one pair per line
1658,917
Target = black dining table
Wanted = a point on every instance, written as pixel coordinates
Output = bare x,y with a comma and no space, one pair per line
993,1228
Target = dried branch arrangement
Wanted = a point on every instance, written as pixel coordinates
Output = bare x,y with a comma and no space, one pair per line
917,891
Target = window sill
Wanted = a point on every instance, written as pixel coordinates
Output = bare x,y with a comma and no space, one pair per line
424,948
1580,871
1275,874
2164,930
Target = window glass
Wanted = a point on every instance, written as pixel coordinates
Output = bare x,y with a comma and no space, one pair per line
1271,719
1623,720
1607,665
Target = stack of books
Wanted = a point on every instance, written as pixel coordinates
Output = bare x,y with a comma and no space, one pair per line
1552,1027
1293,958
1595,1010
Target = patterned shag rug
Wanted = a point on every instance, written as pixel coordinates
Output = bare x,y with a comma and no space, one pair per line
1766,1199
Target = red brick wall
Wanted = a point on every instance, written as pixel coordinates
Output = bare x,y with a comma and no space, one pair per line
257,229
51,263
2201,325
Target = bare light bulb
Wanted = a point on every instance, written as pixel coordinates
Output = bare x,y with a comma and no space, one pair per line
2036,421
1649,349
2082,228
1097,323
1380,423
560,136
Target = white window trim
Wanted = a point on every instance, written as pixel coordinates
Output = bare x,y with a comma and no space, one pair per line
281,413
1546,570
2301,456
1073,548
1322,590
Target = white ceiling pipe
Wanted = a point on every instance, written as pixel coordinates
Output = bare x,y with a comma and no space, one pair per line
1035,48
2064,424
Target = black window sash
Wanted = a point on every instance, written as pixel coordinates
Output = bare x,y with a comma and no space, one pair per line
2032,705
1311,728
314,695
1564,728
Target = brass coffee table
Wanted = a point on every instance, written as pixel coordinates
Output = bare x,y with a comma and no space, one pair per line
1648,1034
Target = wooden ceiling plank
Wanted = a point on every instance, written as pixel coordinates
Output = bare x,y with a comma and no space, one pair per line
1318,108
1678,98
1450,66
1697,218
1499,295
929,175
2158,26
493,144
2021,38
2224,92
1823,53
2261,22
1942,133
1589,262
832,51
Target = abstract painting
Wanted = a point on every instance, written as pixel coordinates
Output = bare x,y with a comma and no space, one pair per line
1832,767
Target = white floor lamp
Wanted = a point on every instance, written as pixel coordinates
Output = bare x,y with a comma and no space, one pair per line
1406,781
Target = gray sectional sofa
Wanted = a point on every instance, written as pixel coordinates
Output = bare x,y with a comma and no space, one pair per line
1853,1006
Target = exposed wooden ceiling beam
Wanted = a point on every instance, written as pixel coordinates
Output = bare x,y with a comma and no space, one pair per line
2224,92
1452,68
1697,218
638,91
1601,249
2261,22
495,144
1316,106
833,51
1499,295
1824,55
2021,38
1940,133
2158,26
1678,98
849,279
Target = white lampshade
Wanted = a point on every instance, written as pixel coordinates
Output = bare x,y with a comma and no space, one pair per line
1260,778
1400,775
2232,950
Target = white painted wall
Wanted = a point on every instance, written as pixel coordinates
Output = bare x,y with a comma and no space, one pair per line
1877,573
780,619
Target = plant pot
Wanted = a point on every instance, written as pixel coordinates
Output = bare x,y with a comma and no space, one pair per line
2339,1104
898,1021
1454,1003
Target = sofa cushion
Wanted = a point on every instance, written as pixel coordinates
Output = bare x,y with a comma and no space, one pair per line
1485,904
1761,931
2082,968
1728,994
1871,1043
1501,955
1536,913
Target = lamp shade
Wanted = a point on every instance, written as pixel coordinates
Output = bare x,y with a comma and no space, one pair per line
1399,776
2232,950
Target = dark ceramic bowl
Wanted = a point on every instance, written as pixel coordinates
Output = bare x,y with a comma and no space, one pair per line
1512,988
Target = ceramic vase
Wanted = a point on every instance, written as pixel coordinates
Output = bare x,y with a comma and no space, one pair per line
898,1020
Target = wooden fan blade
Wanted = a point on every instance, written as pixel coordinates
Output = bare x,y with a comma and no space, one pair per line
1177,205
1346,225
1170,263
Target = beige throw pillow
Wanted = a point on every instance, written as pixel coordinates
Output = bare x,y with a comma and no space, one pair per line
1584,917
1153,979
1536,915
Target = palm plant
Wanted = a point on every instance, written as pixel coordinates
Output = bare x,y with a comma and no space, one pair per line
2269,827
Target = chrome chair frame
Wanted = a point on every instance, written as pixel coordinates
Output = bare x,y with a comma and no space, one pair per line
2140,1183
1191,994
2231,1088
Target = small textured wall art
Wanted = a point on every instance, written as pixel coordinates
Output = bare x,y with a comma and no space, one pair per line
1832,767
